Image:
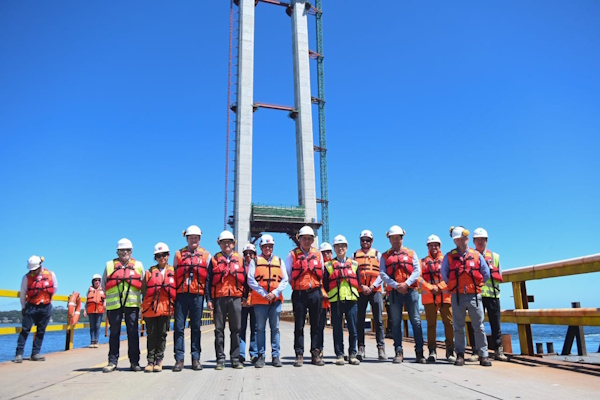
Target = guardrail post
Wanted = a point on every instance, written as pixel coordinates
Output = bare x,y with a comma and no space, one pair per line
574,332
69,338
521,303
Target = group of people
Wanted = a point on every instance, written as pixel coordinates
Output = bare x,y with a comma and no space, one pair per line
237,287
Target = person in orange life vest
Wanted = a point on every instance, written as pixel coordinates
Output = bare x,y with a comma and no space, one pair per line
122,283
434,297
400,270
191,272
305,273
342,280
249,253
370,293
159,290
327,255
267,277
226,289
37,288
95,304
465,271
490,292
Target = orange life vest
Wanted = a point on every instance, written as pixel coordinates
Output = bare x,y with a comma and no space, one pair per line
399,265
40,288
307,271
464,275
431,275
268,275
124,274
94,303
161,290
368,267
191,270
229,275
342,272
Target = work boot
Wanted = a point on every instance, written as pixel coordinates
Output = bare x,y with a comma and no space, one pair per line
340,360
178,366
485,362
500,356
381,353
235,364
361,352
242,359
460,359
19,358
260,363
316,358
354,359
399,357
474,358
277,362
450,354
158,366
254,360
432,356
299,360
135,368
196,366
109,368
37,357
420,358
149,368
220,365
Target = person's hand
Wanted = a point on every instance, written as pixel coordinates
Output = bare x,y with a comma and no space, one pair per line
366,290
270,297
435,289
402,288
244,302
84,313
209,304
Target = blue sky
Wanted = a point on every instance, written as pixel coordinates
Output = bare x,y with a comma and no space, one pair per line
113,119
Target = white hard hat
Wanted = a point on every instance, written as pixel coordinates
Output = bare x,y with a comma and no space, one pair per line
161,247
192,230
124,244
366,233
395,230
480,233
306,231
225,235
340,239
34,262
434,239
266,239
458,232
325,247
249,247
96,276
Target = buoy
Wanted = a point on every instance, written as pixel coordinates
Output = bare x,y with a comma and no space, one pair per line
74,309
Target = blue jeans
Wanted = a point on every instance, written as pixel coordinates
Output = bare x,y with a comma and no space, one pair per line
338,309
273,312
248,311
40,316
410,301
95,324
114,318
192,304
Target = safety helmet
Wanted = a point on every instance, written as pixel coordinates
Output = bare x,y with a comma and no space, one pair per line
395,230
325,247
225,235
366,233
266,239
34,262
124,244
96,276
458,232
161,247
192,230
340,239
480,233
249,247
306,231
434,239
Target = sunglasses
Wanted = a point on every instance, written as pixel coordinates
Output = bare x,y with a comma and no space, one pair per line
124,250
365,240
161,255
96,280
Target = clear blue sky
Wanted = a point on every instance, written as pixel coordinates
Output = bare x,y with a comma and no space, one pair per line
113,121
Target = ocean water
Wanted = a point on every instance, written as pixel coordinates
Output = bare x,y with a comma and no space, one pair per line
55,341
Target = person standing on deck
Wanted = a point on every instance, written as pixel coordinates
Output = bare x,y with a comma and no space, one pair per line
95,304
327,255
249,253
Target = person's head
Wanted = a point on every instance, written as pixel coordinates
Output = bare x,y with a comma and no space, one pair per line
340,245
96,281
434,245
306,237
460,235
366,240
266,245
396,235
34,265
249,253
480,238
326,251
124,250
193,234
161,254
226,242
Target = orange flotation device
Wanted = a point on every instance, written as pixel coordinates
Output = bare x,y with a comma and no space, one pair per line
74,309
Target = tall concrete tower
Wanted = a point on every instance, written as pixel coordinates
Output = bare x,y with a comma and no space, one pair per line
250,221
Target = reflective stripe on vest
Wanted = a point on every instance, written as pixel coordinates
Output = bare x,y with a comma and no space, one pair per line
343,281
492,285
123,293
